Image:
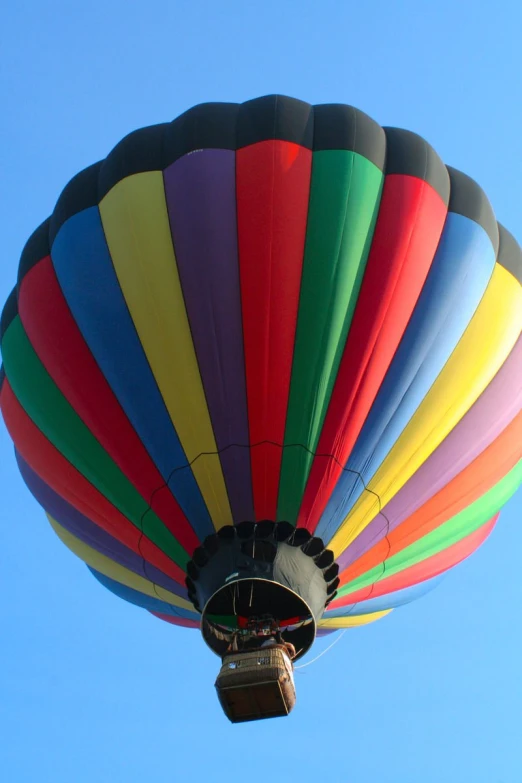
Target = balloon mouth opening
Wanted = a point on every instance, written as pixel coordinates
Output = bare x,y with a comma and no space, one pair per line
245,613
258,581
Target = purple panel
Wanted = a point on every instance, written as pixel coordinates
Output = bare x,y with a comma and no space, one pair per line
201,200
497,406
92,535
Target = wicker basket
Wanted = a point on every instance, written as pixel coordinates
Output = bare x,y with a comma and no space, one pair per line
256,684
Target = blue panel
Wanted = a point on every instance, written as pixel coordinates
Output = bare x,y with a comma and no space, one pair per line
458,277
86,275
389,601
140,599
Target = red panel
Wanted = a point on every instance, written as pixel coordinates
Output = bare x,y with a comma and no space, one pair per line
426,569
273,183
408,229
62,350
479,477
69,483
182,621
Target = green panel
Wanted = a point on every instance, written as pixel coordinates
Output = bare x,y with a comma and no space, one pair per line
228,620
54,416
344,202
447,534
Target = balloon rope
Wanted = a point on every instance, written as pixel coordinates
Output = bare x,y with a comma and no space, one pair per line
304,665
250,446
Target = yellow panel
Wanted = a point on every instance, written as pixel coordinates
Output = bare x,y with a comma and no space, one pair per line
136,224
114,570
352,622
483,348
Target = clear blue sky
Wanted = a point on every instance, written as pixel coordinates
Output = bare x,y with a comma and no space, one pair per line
93,689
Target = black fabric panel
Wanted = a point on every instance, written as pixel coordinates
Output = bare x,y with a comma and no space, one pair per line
283,531
142,150
2,377
340,127
275,117
233,559
245,530
300,536
79,194
264,529
509,253
36,248
9,312
227,532
468,199
313,547
207,126
407,153
331,573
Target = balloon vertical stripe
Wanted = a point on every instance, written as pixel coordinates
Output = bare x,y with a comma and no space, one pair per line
344,199
273,181
426,569
476,431
91,534
147,272
457,280
56,340
108,567
466,488
410,222
459,526
88,281
479,355
61,425
201,200
56,471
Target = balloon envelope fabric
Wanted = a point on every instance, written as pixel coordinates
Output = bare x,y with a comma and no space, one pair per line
268,311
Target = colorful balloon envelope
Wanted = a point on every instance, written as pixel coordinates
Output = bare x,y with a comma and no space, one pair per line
263,364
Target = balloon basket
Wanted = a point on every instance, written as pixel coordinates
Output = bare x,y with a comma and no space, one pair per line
257,684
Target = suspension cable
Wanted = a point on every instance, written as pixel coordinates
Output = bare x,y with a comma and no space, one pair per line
304,665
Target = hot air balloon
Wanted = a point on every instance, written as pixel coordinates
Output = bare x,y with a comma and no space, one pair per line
262,368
